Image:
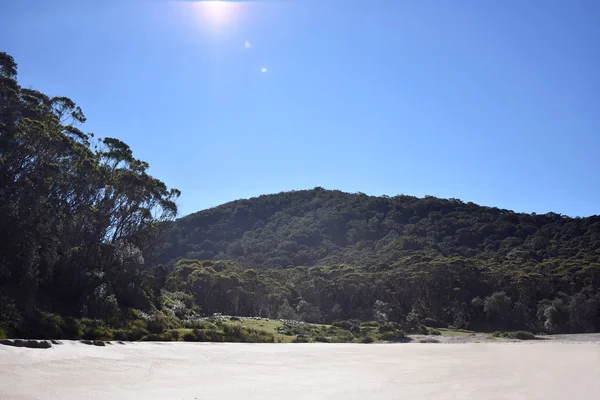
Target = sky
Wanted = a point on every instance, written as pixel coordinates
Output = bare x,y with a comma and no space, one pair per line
494,102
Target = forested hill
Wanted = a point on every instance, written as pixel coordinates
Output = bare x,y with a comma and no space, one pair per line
326,227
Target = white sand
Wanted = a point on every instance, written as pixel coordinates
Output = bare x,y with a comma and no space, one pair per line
303,371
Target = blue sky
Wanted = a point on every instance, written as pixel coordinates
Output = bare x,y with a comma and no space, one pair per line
492,102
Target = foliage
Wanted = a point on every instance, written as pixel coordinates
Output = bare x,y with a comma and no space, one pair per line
89,249
394,336
520,335
80,216
324,256
301,339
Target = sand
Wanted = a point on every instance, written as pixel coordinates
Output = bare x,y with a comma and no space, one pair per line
539,370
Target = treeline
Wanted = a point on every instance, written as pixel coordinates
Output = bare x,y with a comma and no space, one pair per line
79,216
89,249
436,292
325,227
328,255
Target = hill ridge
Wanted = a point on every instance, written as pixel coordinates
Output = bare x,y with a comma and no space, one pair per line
319,226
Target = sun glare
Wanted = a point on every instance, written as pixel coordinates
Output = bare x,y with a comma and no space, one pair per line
218,13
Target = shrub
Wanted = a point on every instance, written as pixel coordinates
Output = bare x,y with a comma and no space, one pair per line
523,335
372,324
519,335
158,324
153,337
394,336
432,323
71,329
198,324
233,331
347,325
388,327
429,340
95,330
48,326
322,339
434,332
205,335
367,339
301,339
189,337
133,330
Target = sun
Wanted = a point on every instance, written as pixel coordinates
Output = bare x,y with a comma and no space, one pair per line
218,13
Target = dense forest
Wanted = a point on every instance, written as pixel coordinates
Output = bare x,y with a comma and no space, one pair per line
323,255
90,248
79,216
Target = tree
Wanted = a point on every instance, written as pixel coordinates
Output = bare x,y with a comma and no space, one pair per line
80,217
498,309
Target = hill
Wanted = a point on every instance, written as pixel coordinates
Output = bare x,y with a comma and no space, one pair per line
323,227
329,254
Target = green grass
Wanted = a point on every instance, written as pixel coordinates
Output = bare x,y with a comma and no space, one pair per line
455,332
312,331
271,326
519,335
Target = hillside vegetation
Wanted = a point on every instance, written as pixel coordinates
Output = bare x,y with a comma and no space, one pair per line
89,249
79,216
325,255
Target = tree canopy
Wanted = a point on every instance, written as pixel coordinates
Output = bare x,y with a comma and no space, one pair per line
88,234
338,254
79,216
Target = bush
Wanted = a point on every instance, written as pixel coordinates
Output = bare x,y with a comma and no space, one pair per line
434,332
95,330
388,327
429,340
521,335
322,339
301,339
372,324
189,337
157,324
394,336
347,325
153,337
133,330
71,329
48,326
367,339
432,323
233,331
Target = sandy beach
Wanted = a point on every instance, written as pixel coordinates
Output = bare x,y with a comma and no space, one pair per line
540,370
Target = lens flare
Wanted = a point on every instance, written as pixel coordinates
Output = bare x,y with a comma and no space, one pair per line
218,13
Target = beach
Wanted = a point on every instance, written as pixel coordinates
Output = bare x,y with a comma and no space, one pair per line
520,370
